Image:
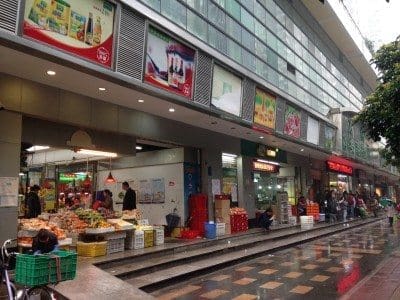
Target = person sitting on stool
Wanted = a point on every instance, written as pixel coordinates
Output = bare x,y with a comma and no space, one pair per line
44,242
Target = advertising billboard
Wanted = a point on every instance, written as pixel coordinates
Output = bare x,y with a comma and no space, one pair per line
312,131
83,28
292,122
226,91
169,64
264,109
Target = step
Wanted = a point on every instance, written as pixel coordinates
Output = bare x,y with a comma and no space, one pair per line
133,268
151,281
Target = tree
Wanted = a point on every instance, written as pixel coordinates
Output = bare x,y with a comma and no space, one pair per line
380,116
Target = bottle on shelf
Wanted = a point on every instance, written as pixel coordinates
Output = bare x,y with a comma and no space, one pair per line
89,30
97,32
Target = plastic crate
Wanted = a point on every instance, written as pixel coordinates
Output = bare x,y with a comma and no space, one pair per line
36,270
91,249
148,238
130,240
138,239
189,234
158,237
115,245
220,229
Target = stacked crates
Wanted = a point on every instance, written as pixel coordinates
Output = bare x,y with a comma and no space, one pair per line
115,242
198,212
138,239
306,222
148,238
91,249
313,210
158,236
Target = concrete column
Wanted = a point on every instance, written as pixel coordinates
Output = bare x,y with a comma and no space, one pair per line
211,169
246,193
10,147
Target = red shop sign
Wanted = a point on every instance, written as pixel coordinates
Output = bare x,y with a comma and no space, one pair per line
260,166
340,168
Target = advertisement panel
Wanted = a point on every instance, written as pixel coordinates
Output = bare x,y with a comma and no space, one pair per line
312,131
292,122
226,91
264,109
329,137
84,28
169,64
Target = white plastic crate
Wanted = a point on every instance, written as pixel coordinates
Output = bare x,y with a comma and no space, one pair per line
138,239
306,219
115,245
292,220
220,229
158,237
322,217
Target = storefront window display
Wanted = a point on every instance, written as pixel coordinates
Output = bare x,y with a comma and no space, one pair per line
340,176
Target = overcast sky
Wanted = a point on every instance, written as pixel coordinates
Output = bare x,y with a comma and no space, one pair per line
378,20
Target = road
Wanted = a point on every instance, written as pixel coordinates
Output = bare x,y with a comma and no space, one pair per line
345,265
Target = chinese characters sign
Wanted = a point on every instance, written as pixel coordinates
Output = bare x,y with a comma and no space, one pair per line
84,28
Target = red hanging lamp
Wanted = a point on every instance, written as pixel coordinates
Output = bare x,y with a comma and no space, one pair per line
110,178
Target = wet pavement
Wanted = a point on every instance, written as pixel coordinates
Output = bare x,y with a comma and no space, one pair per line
327,268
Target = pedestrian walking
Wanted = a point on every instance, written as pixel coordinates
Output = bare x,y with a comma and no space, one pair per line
343,204
390,211
332,207
351,201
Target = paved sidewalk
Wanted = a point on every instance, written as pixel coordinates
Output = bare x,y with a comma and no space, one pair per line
382,284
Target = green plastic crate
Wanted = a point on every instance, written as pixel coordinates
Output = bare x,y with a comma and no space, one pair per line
36,270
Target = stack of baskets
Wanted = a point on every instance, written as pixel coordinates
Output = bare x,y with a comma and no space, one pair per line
91,249
36,270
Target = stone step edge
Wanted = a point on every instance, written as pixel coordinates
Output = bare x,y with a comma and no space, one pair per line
216,266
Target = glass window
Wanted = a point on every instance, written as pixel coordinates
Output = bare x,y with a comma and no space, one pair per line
270,22
216,16
297,32
272,58
233,8
220,3
217,39
174,11
249,60
196,25
248,39
282,65
233,29
259,12
199,6
290,56
270,6
280,30
261,50
154,4
247,20
261,69
260,31
280,15
272,76
283,83
234,51
272,41
281,48
249,4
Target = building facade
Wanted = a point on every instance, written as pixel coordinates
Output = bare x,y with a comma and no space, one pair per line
263,90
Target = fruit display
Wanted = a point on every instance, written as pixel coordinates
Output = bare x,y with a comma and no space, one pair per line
29,226
120,224
69,221
132,214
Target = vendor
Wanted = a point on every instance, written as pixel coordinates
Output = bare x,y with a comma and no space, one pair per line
33,202
108,201
44,242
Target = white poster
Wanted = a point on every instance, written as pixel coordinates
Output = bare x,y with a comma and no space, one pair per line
226,91
8,191
312,131
145,191
216,186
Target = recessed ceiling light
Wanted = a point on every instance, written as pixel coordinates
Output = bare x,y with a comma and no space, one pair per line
140,101
102,89
51,72
302,149
261,137
139,147
171,109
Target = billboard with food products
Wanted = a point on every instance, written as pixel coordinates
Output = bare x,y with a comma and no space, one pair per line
84,28
292,122
169,64
264,109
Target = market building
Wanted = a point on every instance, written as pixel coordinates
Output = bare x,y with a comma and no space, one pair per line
249,99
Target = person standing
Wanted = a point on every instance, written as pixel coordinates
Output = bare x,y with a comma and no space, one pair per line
343,204
32,202
332,207
351,205
108,201
390,211
129,202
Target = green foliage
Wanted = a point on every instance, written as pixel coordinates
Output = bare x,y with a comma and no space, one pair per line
380,117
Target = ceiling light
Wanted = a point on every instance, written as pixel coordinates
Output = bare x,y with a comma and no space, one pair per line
279,186
139,147
229,155
140,101
171,110
51,72
302,149
261,137
37,148
102,89
110,178
268,162
97,153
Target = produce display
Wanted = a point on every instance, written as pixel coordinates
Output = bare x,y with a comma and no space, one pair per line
69,221
132,214
28,228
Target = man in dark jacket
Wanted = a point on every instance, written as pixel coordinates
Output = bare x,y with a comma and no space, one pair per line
33,203
129,198
45,242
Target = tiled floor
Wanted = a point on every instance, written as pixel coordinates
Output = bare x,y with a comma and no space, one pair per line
323,269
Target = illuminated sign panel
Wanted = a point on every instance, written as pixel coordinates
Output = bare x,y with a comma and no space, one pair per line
339,168
260,166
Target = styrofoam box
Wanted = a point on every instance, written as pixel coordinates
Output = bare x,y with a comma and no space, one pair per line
306,219
158,237
139,239
220,229
292,220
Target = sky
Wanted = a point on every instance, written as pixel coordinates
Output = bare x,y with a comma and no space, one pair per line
378,20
